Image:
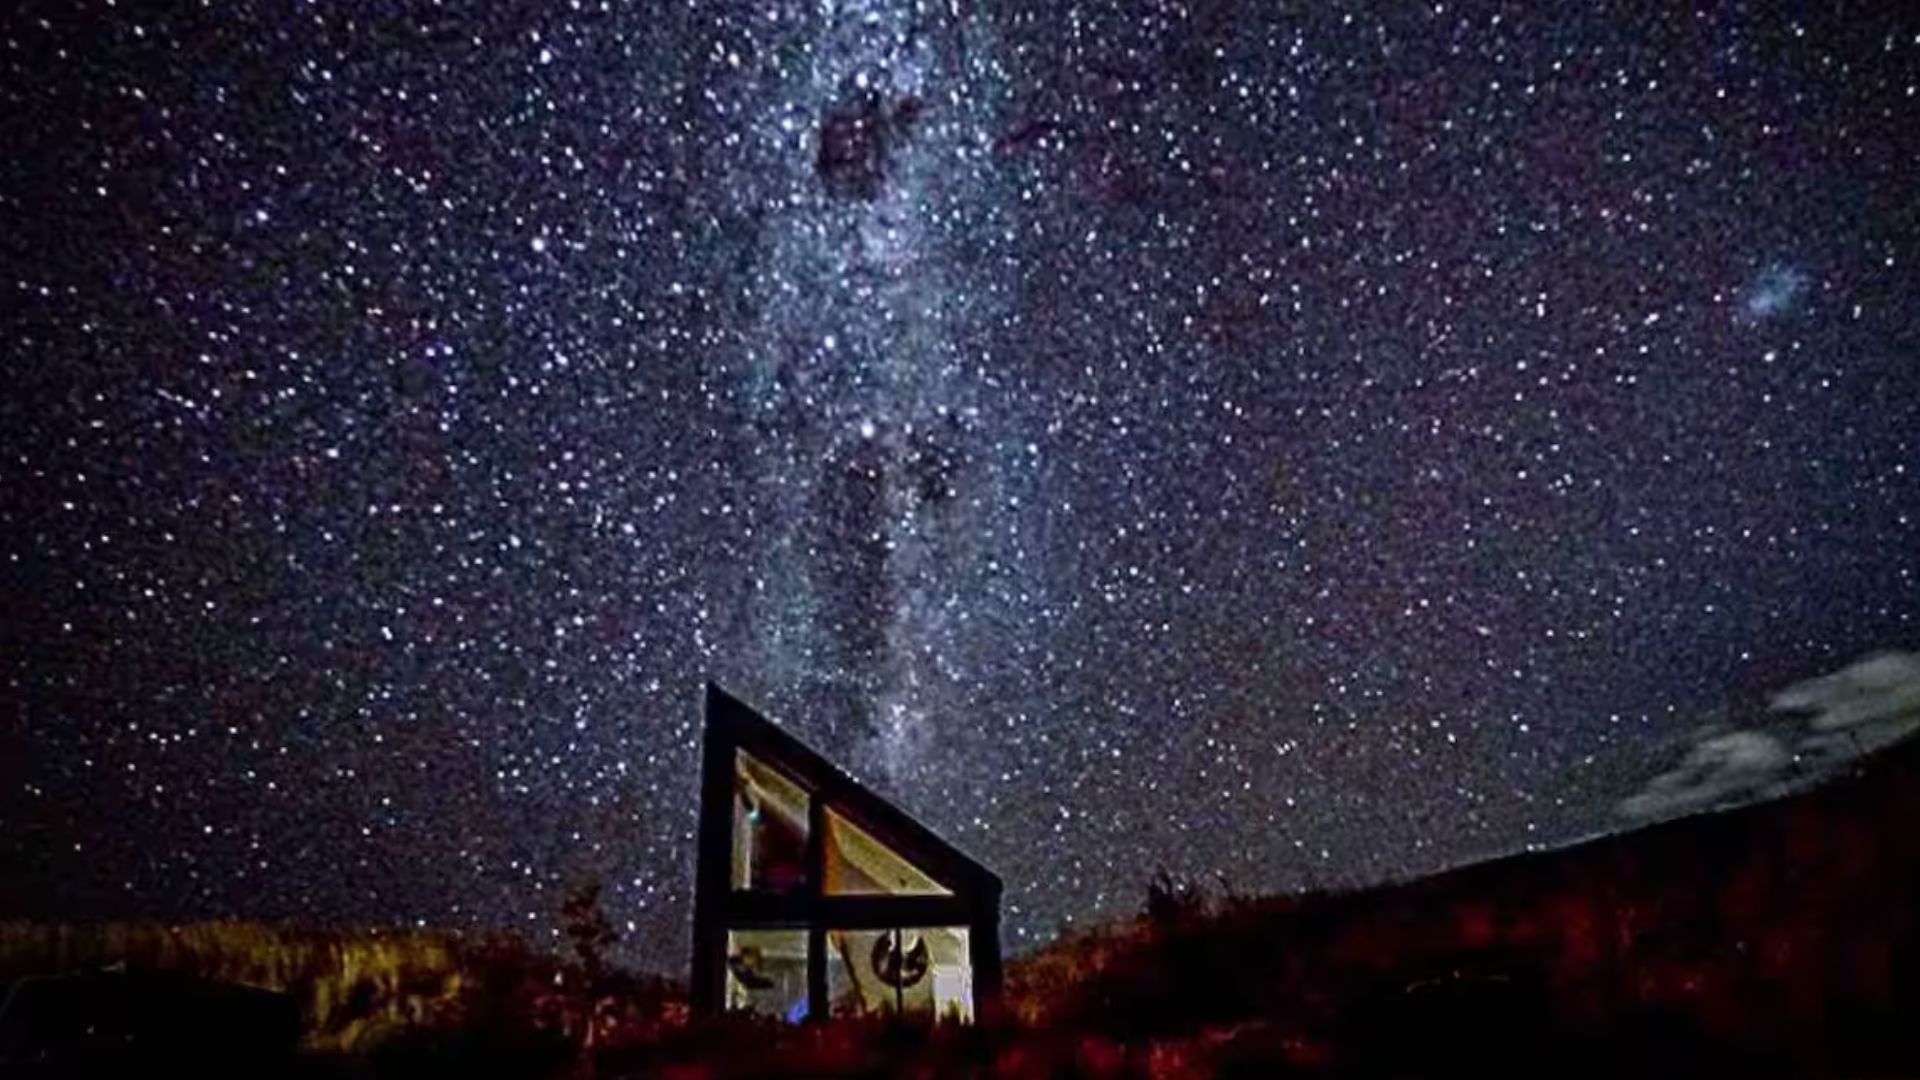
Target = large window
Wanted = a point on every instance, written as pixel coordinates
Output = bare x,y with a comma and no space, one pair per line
815,897
859,865
909,971
769,829
767,972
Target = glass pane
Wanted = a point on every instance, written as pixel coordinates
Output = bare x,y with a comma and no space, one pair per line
859,865
767,973
769,829
916,971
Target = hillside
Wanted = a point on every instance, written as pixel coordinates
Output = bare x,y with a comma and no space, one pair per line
251,996
1780,935
1774,938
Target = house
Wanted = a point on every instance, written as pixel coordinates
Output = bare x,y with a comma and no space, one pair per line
815,897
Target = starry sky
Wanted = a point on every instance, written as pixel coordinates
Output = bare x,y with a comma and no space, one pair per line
1287,444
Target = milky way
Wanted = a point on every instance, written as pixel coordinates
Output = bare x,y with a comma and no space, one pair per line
1286,445
893,451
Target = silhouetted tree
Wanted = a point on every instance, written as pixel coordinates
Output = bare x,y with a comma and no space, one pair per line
1172,900
587,929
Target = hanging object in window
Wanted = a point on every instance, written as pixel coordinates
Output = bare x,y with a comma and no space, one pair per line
896,966
745,966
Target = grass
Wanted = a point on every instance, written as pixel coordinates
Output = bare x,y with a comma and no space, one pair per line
1781,938
351,986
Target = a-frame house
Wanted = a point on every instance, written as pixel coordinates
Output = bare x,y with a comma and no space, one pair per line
815,897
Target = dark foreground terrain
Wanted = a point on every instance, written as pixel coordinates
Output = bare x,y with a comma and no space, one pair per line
1775,939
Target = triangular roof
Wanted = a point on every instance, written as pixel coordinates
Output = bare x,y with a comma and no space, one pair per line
732,724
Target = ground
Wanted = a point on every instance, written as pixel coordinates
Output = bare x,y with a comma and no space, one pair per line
1773,938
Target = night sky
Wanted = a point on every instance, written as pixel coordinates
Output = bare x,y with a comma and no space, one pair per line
1271,442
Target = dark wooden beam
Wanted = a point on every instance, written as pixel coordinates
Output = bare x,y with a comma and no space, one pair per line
816,888
713,865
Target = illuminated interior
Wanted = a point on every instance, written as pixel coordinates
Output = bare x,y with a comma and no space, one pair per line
911,971
859,865
824,882
767,972
769,829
